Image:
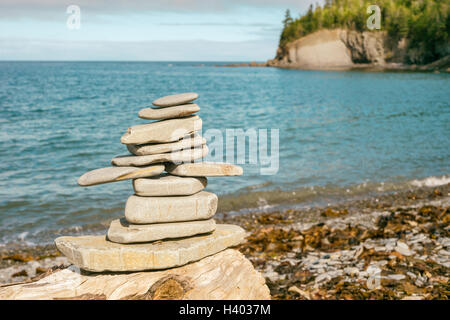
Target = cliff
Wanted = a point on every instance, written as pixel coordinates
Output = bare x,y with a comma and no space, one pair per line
345,49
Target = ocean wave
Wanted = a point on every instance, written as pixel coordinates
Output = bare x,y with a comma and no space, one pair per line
251,199
432,181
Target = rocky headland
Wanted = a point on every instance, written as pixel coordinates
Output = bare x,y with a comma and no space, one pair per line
349,49
343,49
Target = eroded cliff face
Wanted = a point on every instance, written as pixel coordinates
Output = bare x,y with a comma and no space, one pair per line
365,47
338,48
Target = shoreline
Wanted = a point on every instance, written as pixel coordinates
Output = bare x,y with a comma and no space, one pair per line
288,247
388,67
256,199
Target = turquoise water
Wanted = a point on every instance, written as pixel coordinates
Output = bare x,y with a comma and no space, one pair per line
342,134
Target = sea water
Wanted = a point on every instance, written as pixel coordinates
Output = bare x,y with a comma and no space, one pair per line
341,135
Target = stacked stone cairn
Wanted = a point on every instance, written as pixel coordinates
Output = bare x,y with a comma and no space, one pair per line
168,221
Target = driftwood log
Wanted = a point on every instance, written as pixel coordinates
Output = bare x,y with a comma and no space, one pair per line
225,275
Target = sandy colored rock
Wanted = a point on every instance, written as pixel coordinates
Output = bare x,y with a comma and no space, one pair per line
348,47
225,275
168,185
314,50
169,112
121,231
185,143
187,155
112,174
95,253
199,206
162,131
175,99
204,169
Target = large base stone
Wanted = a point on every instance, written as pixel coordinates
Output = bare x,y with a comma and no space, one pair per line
95,253
225,275
121,231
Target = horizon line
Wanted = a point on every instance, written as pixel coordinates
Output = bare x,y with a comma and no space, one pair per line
19,60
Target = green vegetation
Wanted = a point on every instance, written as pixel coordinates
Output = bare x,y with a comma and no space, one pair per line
425,23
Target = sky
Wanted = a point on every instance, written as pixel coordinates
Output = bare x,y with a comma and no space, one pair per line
139,30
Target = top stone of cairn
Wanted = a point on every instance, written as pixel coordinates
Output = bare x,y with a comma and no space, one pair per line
175,99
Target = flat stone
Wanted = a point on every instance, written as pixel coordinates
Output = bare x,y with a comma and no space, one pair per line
95,253
185,143
396,277
167,185
187,155
204,169
403,249
113,174
169,112
199,206
351,271
121,231
162,131
175,99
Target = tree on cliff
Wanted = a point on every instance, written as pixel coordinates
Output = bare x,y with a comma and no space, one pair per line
287,18
425,23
